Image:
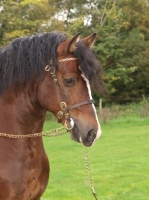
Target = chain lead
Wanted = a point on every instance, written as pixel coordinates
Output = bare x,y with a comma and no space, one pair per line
52,133
89,172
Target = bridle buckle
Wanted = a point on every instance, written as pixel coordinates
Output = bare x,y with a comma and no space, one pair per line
47,68
63,105
60,114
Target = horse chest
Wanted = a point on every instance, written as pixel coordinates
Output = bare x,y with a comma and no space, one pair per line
23,176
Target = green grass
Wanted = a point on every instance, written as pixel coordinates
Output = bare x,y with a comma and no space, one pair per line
119,163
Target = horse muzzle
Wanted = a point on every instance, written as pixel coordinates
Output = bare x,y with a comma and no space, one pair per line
90,138
87,139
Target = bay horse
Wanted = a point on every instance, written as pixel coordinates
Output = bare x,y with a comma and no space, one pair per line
40,73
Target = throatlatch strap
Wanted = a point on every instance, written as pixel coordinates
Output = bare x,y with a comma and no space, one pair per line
81,104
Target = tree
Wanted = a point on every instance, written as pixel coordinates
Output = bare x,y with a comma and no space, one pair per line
83,16
23,17
123,46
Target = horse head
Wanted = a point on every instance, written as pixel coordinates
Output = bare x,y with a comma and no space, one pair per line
65,90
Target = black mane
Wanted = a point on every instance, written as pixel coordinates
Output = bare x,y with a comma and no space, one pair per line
90,66
24,59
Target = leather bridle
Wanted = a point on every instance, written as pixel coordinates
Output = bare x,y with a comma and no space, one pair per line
64,112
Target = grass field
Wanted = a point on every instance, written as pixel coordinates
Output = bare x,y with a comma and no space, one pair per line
119,163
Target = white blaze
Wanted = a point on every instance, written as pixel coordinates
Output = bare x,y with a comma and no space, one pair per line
90,95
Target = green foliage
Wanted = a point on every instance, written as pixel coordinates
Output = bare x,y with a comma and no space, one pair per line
125,62
22,17
123,47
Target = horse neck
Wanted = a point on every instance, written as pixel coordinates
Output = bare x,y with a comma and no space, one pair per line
21,113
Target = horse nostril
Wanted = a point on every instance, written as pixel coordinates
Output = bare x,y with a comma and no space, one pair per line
91,135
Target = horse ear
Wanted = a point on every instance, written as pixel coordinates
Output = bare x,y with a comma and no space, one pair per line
68,45
89,41
73,41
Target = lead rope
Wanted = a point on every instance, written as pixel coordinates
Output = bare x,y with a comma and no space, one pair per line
89,172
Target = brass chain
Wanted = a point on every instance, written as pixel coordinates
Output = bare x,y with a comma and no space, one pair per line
52,133
67,59
89,172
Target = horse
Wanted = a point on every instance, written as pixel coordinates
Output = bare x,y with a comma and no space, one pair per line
40,73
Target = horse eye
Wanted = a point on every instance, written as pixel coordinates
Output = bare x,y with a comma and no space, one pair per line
69,81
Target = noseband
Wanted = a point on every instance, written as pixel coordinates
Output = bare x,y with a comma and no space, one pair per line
69,123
